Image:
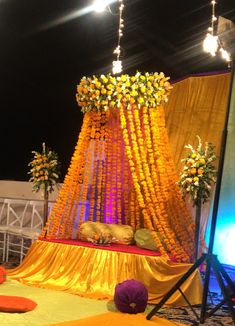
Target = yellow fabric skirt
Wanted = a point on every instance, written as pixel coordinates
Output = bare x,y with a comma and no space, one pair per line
94,273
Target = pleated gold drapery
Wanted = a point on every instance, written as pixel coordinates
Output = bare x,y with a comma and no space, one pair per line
94,273
197,106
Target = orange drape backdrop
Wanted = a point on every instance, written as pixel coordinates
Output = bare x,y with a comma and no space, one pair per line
196,106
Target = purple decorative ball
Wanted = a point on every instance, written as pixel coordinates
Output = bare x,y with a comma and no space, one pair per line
131,297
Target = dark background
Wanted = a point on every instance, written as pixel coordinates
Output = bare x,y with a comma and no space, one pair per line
43,56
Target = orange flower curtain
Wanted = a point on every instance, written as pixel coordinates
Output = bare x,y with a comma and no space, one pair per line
122,172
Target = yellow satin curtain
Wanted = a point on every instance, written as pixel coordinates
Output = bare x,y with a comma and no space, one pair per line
196,106
94,272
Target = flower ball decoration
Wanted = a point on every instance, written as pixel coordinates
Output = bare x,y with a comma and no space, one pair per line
131,297
44,169
198,172
106,91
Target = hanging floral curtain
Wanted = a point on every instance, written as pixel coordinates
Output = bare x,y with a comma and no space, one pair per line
122,171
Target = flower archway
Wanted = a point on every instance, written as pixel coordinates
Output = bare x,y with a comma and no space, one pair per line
122,171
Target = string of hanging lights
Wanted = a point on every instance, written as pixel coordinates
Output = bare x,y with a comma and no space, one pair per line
211,43
99,6
117,64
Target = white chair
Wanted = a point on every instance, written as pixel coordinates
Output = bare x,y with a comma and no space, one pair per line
3,229
31,232
16,212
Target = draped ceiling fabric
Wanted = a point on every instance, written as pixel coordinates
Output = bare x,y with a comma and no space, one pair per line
197,106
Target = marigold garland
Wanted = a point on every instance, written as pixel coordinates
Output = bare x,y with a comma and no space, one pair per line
121,171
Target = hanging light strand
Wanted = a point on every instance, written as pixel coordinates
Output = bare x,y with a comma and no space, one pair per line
117,64
211,43
213,19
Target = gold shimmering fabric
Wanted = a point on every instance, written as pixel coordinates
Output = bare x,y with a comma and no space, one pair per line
122,234
94,273
197,106
88,230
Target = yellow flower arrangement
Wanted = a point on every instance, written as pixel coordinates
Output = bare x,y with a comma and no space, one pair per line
198,172
104,92
44,169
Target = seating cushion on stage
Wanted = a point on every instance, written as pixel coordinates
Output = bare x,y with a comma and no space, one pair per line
144,239
89,230
16,304
122,234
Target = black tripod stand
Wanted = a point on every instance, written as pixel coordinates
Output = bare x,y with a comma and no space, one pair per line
226,285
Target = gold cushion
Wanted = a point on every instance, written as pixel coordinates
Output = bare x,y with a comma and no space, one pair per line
144,239
89,230
122,234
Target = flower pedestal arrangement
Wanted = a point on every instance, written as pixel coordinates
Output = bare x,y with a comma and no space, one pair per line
45,209
197,226
44,172
196,178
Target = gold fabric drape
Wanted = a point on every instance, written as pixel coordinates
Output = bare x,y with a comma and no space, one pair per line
196,106
94,273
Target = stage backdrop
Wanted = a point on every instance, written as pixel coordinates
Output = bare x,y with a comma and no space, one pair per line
225,231
197,106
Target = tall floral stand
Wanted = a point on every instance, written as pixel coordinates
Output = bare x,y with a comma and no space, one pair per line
198,205
45,210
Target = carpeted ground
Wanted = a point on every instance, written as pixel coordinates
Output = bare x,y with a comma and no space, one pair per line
55,307
185,315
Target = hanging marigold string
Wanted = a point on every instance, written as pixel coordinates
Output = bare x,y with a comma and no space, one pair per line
122,171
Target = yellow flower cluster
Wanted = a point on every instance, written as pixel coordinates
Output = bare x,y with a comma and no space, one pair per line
44,169
104,92
198,172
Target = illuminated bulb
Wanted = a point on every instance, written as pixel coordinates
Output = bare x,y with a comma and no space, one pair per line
210,44
213,2
117,67
117,50
225,55
99,5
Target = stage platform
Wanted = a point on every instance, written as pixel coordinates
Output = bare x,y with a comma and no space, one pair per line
93,271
